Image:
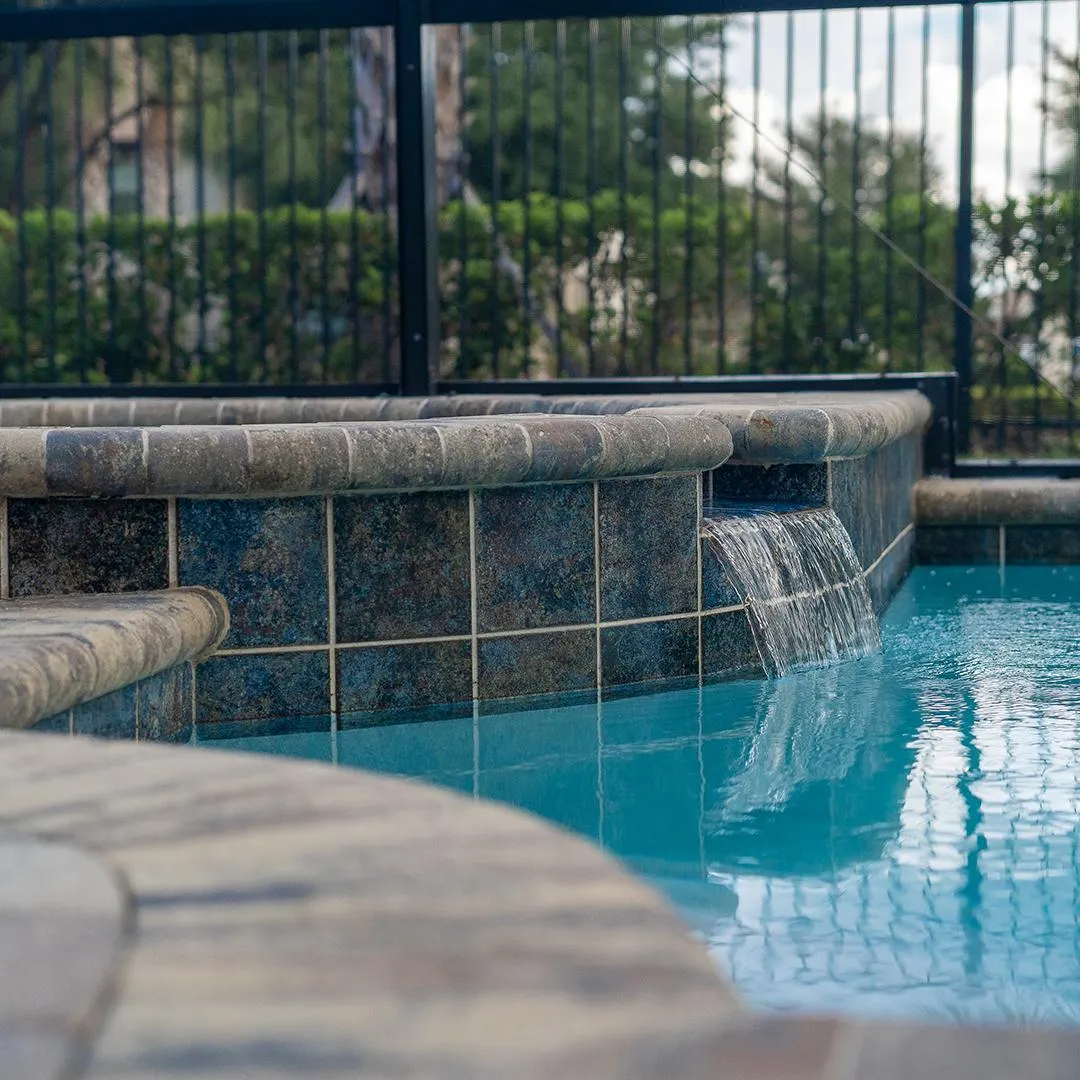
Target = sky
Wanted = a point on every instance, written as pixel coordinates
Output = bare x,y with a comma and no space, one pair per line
943,78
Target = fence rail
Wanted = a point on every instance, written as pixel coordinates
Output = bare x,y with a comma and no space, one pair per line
334,192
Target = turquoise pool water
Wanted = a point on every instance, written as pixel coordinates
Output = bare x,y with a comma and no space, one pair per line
897,836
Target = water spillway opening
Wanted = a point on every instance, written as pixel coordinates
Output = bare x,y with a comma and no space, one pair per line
801,581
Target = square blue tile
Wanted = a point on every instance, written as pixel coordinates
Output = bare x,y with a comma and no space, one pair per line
727,645
648,547
268,558
649,651
87,545
717,588
535,556
943,544
54,725
802,484
402,566
108,717
1042,544
246,690
530,664
392,680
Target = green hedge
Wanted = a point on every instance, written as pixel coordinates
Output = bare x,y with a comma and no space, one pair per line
271,285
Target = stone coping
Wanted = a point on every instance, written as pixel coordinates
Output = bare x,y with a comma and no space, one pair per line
222,915
292,446
998,501
57,652
260,459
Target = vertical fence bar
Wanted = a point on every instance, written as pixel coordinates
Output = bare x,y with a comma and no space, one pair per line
890,179
657,165
820,327
494,61
355,135
560,187
1074,250
721,207
924,179
262,63
80,210
323,113
384,214
789,135
624,227
855,298
110,182
200,195
170,232
755,198
590,185
20,208
1040,224
529,48
230,150
688,206
292,78
1006,231
962,285
417,218
140,188
48,73
463,203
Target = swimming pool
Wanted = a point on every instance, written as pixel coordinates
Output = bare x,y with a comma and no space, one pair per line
896,836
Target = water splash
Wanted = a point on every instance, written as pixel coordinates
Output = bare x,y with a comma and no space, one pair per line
801,582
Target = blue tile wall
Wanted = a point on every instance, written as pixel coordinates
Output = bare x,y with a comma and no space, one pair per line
268,557
1042,544
393,679
802,484
727,645
87,545
245,690
529,664
113,716
646,651
402,566
717,589
648,547
535,557
958,544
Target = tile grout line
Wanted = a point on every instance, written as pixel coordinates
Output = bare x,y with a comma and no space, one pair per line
488,635
474,643
700,589
1001,549
599,666
5,552
596,588
331,626
172,541
909,528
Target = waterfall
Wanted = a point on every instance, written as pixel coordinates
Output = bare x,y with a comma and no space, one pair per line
801,582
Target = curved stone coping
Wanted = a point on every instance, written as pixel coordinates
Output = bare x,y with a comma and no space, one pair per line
330,457
295,920
285,919
998,501
797,427
57,652
64,921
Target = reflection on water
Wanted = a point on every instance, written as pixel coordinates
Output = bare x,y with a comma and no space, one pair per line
894,836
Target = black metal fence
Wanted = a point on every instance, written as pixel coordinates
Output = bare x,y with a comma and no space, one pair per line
294,192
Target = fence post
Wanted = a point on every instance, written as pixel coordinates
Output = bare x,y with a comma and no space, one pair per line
963,344
417,210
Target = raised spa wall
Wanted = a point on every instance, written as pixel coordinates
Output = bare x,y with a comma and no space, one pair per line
381,558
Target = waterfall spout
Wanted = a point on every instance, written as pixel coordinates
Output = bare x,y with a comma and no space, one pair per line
801,582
